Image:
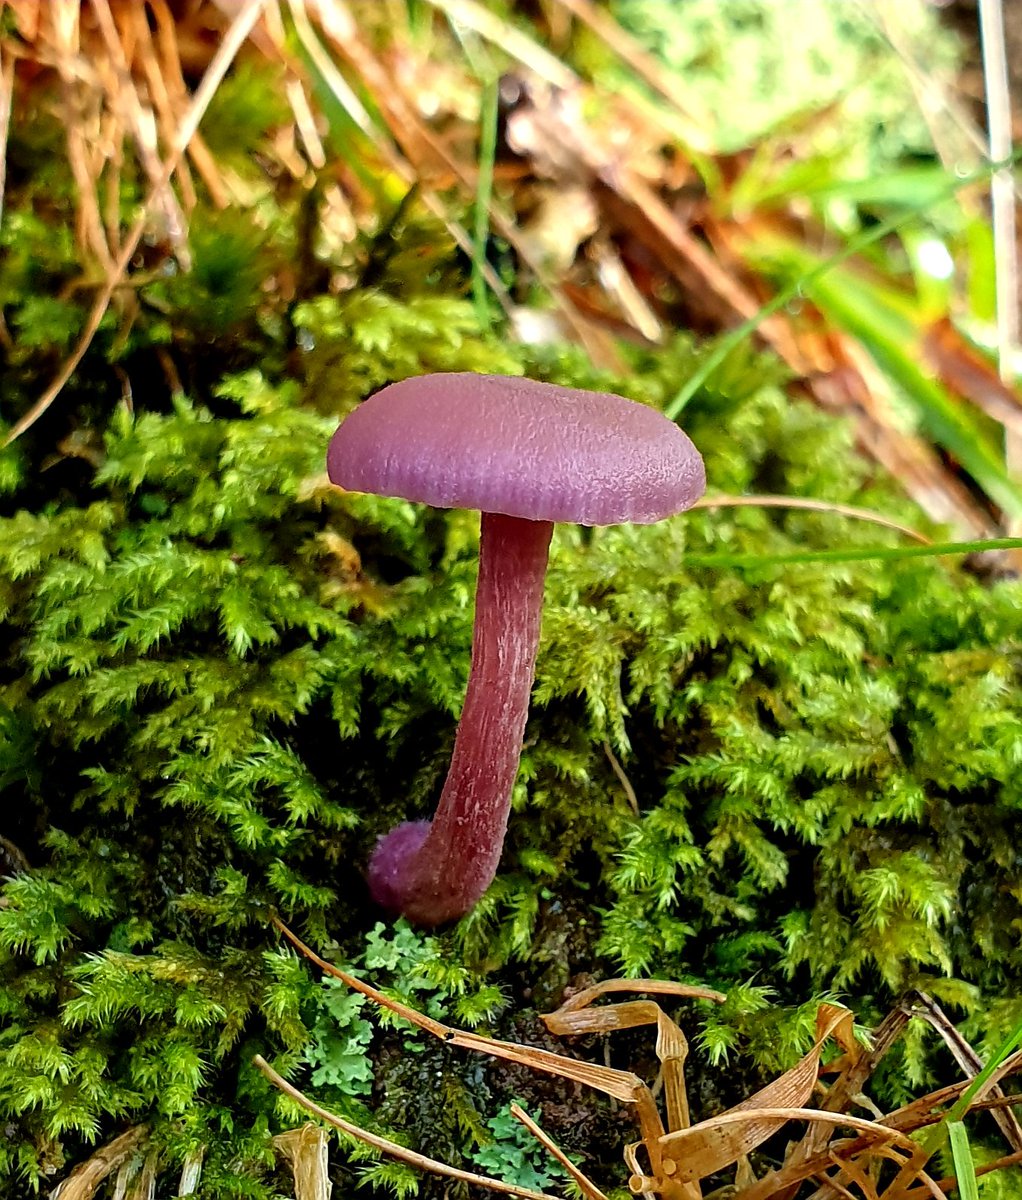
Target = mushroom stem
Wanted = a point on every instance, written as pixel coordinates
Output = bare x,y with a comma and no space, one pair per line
433,872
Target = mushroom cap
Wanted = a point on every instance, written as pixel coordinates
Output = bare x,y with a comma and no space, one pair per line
519,447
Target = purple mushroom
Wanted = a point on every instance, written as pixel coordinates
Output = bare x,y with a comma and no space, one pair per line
526,454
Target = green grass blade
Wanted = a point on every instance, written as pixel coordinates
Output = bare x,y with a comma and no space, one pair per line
852,247
961,1156
859,554
351,128
918,188
484,192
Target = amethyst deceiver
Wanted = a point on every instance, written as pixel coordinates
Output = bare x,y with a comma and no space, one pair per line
526,454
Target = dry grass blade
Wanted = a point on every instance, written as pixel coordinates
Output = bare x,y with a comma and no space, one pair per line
172,80
124,95
712,1145
613,987
662,214
671,1043
575,1018
340,30
12,857
956,136
137,1181
968,375
929,1109
941,495
84,1180
867,1186
424,156
562,148
511,40
81,110
232,42
845,1158
394,160
436,1028
632,1014
672,1051
7,63
585,1184
775,1116
671,1164
307,1151
191,1172
909,1175
786,1180
622,776
644,65
158,81
338,84
857,386
306,123
412,1157
621,1085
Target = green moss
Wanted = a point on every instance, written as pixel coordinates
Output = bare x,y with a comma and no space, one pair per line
221,680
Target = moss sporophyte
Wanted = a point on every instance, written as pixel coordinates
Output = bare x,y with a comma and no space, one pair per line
526,454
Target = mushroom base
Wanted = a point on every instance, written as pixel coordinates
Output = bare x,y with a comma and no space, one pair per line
391,863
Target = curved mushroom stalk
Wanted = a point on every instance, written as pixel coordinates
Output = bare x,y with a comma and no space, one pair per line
435,871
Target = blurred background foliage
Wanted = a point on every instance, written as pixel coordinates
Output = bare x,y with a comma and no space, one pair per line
221,679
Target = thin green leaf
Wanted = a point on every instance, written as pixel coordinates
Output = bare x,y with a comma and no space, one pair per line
859,554
961,1155
484,191
352,127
